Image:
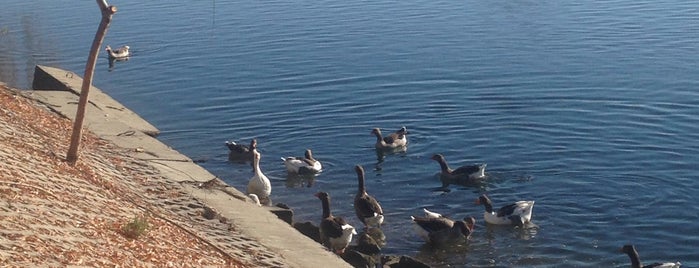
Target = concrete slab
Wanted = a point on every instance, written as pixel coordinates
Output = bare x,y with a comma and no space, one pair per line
111,121
297,249
57,80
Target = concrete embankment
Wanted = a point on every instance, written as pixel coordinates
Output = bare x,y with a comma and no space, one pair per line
276,242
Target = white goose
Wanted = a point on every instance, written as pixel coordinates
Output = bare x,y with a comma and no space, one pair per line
517,213
119,53
302,165
259,184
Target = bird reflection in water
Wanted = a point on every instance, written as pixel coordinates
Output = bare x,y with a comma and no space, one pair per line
300,180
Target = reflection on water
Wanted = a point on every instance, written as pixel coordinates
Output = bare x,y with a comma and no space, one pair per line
294,180
112,62
594,120
381,155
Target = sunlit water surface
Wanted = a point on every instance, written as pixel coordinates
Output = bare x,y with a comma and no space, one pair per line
588,108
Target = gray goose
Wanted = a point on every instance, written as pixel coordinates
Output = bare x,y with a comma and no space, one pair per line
440,230
394,140
636,261
466,174
335,232
119,53
241,152
302,165
366,207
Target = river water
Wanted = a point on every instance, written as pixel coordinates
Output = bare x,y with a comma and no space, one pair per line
589,108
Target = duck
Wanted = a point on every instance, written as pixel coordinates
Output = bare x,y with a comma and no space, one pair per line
119,53
366,207
440,230
239,151
302,165
259,184
395,140
636,261
335,233
517,213
463,175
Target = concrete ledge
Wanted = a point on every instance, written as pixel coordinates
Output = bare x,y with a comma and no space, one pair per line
54,83
111,121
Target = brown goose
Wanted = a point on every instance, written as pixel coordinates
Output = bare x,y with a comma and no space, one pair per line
636,261
302,165
367,208
442,230
239,151
463,175
392,141
335,232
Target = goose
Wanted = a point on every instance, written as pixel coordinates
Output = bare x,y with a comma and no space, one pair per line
517,213
394,140
259,184
335,232
254,199
119,53
442,230
636,261
239,151
431,214
367,208
302,165
462,175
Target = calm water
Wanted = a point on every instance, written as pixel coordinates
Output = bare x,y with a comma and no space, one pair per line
588,108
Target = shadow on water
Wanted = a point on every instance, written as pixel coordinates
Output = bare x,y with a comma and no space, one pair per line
21,50
300,180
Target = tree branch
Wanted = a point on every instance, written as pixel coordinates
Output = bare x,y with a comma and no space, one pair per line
107,12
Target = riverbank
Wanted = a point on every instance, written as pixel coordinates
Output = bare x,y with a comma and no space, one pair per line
57,214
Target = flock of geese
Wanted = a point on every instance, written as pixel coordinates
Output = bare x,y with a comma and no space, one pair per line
336,233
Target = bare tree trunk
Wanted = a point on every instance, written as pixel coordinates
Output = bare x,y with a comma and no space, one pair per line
107,12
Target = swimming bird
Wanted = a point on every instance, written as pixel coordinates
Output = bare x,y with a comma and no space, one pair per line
119,53
394,140
239,151
430,214
302,165
335,232
517,213
463,175
366,207
441,230
636,261
259,184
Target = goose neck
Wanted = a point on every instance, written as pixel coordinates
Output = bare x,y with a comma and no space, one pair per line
443,164
635,260
326,207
